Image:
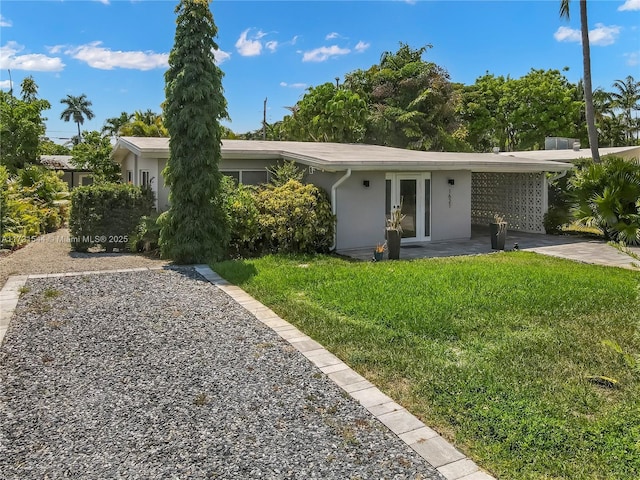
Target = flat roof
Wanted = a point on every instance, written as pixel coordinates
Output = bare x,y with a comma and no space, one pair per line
570,155
341,156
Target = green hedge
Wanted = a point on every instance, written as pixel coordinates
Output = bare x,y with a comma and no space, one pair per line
107,215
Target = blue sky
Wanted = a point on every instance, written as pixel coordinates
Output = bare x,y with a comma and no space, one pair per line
115,51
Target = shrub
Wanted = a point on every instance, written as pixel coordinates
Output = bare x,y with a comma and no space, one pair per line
48,192
145,237
295,218
107,214
32,202
246,236
559,205
606,195
281,173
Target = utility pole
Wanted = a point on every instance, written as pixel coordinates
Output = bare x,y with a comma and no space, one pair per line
264,120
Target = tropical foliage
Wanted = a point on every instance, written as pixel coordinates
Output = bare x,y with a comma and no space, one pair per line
607,196
517,114
32,202
21,126
195,228
94,154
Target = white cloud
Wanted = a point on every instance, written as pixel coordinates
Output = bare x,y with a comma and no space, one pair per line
249,47
362,46
324,53
332,36
34,62
630,5
566,34
633,58
220,56
272,45
5,84
602,35
4,22
104,2
293,85
96,56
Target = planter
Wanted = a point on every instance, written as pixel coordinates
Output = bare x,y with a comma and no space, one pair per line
393,244
378,256
498,232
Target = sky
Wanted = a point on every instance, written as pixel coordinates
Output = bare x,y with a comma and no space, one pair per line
116,51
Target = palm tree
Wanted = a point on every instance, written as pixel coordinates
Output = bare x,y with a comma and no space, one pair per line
586,62
77,109
113,125
627,98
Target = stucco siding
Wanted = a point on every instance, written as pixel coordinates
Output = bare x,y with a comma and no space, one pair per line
360,212
450,205
163,190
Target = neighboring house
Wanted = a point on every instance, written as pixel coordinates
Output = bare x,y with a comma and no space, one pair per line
74,176
443,194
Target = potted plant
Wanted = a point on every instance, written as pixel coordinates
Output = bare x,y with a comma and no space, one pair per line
498,230
394,231
378,252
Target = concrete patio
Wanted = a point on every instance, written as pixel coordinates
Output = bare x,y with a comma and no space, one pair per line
581,249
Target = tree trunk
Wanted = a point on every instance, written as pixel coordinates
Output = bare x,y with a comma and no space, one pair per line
588,90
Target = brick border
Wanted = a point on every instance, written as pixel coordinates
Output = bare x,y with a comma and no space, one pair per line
450,462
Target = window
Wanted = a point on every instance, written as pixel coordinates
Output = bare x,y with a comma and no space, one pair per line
129,176
145,179
248,177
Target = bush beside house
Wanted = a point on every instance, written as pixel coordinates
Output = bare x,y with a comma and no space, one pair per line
290,218
107,215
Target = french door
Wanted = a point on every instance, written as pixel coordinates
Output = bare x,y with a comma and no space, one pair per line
413,192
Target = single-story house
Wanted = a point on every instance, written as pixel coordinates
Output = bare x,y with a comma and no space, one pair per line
74,176
443,194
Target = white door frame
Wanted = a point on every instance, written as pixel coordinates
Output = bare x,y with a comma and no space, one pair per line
420,178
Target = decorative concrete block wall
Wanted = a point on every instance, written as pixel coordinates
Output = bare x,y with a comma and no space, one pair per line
520,197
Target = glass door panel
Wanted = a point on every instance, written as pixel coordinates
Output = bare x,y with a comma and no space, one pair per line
409,199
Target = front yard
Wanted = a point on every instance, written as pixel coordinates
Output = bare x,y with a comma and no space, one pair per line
496,352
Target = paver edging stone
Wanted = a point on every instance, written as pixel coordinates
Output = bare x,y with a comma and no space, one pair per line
452,463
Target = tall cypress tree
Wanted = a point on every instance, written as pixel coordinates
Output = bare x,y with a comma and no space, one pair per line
195,229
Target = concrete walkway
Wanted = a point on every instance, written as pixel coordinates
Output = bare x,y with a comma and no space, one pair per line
575,248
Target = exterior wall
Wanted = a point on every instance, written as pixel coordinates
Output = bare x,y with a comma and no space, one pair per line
450,205
163,190
361,218
520,197
129,164
152,165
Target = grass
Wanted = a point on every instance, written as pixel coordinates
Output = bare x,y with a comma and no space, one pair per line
495,352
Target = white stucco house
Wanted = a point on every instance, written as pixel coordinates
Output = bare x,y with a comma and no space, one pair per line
443,194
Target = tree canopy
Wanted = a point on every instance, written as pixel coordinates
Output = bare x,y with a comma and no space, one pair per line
21,126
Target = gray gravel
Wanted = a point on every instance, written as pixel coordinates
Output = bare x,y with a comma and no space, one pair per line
159,374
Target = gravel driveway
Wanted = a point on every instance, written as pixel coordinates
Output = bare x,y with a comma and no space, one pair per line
51,253
159,374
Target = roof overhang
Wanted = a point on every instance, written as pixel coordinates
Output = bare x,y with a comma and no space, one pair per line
335,157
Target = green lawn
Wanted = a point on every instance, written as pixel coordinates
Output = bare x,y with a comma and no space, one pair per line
492,351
